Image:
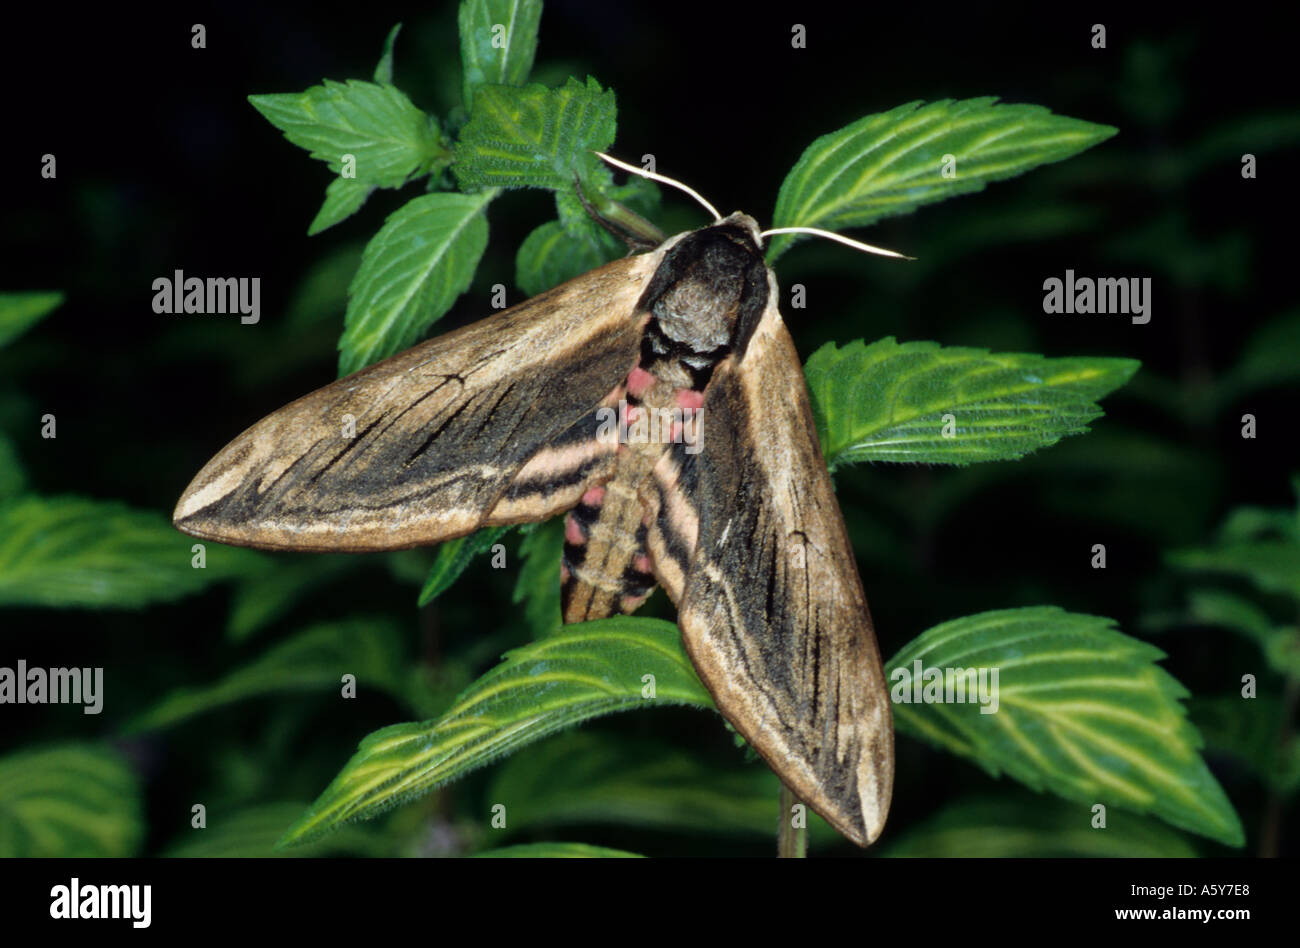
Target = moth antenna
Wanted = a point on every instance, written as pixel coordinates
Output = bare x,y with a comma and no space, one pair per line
838,238
663,179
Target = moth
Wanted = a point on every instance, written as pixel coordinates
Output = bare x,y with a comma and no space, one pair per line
542,410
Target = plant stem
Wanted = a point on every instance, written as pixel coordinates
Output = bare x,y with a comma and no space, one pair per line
629,220
620,220
791,841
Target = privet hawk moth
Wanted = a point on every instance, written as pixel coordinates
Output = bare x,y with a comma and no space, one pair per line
658,401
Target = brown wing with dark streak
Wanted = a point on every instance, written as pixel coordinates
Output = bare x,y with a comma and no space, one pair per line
494,423
748,540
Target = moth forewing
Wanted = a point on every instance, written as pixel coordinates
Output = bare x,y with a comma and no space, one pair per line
769,600
428,444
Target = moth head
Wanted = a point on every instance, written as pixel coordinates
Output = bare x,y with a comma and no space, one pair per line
709,289
712,285
741,221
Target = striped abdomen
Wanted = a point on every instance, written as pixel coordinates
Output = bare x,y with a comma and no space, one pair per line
606,569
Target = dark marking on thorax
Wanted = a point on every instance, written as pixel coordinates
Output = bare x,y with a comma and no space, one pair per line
705,298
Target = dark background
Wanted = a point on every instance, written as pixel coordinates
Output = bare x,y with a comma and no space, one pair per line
162,164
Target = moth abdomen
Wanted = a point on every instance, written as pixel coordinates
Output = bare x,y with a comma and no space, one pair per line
600,544
637,580
606,567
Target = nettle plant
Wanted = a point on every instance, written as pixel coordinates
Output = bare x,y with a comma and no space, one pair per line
1246,581
1080,709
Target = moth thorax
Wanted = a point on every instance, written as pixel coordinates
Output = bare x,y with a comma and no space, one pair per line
699,310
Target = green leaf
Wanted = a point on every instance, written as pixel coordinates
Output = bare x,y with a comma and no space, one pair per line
313,660
1217,607
19,312
535,137
538,586
321,293
1246,523
411,273
1272,565
1268,358
69,800
391,140
892,162
384,68
550,255
251,832
71,551
1250,730
1020,826
454,558
582,777
343,198
581,672
12,477
498,40
1083,711
887,401
1282,650
556,851
1280,644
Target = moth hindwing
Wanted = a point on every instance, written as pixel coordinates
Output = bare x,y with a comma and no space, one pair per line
659,400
